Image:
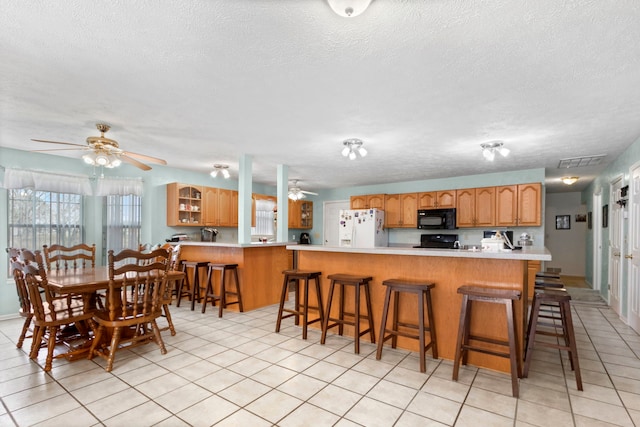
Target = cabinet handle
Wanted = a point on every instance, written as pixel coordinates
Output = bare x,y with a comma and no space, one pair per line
616,254
629,256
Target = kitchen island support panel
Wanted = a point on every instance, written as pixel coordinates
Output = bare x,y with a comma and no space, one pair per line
448,273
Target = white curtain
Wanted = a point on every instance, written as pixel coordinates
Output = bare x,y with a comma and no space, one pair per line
265,218
43,181
119,187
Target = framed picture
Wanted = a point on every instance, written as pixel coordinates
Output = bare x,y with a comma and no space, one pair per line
563,222
581,218
605,216
589,221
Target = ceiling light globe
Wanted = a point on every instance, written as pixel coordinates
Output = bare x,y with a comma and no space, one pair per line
488,154
214,173
362,151
102,160
346,150
225,174
349,8
504,151
88,159
352,155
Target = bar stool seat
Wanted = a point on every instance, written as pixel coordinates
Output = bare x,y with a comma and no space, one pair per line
463,346
548,282
357,282
558,325
300,309
209,294
422,290
193,287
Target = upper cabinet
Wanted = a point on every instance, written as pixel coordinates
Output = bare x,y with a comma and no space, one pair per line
184,205
368,201
519,205
300,214
437,199
476,207
401,210
198,206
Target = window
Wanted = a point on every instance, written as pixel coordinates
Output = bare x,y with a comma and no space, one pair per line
265,218
123,222
38,218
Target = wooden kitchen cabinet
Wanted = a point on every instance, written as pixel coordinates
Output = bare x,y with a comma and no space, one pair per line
300,214
519,205
437,199
368,201
401,210
476,207
184,205
220,207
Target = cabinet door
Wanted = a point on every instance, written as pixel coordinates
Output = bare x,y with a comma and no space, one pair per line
485,207
409,205
375,201
225,198
306,215
446,199
427,200
358,202
294,213
211,207
530,204
465,207
506,205
392,213
184,205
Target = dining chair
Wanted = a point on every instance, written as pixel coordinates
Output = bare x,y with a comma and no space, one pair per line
137,283
172,285
25,311
53,311
61,256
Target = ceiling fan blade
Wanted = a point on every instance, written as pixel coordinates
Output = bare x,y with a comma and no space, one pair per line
134,162
58,142
60,149
309,192
145,157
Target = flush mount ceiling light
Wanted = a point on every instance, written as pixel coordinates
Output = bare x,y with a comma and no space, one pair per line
349,8
223,169
489,150
351,146
569,179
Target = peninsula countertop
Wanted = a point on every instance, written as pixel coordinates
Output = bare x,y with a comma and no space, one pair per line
232,245
525,254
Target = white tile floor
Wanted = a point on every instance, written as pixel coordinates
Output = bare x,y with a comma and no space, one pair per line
236,371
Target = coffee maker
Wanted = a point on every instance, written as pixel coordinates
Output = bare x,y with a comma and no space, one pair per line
305,239
208,234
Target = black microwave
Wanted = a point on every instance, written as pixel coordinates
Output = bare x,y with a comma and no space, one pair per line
437,219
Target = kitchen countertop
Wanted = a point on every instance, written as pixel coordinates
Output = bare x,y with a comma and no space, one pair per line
233,245
529,254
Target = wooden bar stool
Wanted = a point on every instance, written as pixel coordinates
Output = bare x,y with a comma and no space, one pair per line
209,294
193,287
463,346
300,309
357,282
558,325
423,291
548,275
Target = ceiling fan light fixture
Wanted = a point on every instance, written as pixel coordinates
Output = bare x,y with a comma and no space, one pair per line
102,159
349,8
89,158
351,146
222,169
569,180
489,150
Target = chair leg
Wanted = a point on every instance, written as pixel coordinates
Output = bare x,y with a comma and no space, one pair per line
38,333
53,331
158,337
115,342
167,315
25,329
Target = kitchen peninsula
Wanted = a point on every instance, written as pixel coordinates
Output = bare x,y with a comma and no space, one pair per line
448,269
260,267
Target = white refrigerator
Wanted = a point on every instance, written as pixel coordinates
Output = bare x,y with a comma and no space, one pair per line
362,228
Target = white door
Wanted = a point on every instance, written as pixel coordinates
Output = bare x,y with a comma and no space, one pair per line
331,216
633,257
596,224
615,247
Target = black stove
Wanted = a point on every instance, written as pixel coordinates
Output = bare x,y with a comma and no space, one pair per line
442,241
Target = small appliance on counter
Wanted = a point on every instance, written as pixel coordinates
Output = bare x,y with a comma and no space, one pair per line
208,234
178,237
525,240
304,239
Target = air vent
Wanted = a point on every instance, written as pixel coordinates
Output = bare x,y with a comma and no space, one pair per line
576,162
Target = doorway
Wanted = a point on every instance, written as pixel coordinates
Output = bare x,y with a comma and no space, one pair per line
331,217
633,257
596,223
614,220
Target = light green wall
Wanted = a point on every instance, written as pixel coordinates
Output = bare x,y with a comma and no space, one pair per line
619,166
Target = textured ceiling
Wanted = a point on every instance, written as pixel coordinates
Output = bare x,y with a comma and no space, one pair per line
422,82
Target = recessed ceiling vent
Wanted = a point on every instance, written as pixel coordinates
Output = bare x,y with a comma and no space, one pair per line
577,162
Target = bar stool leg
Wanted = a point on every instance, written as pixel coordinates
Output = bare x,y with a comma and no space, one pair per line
533,322
320,305
235,274
573,352
513,348
396,304
357,320
223,292
383,325
423,364
432,325
341,316
283,296
325,324
372,332
305,312
463,325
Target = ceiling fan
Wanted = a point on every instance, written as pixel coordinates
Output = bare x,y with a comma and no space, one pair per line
295,193
103,151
